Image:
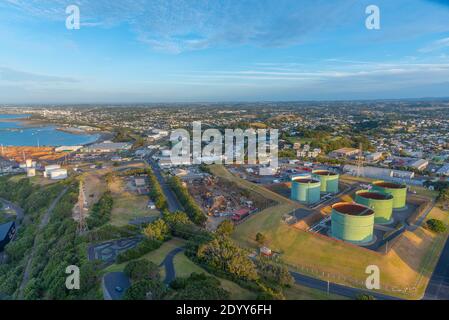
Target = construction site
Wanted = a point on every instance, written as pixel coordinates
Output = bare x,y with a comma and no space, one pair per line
221,199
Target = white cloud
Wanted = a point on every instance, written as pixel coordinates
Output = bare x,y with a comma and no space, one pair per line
436,45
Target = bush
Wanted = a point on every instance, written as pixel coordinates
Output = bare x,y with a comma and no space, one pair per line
142,248
142,270
146,290
436,225
158,230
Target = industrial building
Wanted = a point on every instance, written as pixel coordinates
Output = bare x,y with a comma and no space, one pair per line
344,153
397,190
305,190
352,222
7,232
108,147
31,172
329,180
381,203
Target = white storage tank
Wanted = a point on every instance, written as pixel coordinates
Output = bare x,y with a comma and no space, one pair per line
58,174
31,172
50,168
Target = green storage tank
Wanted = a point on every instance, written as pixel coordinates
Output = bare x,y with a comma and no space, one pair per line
352,222
397,190
329,180
305,190
381,203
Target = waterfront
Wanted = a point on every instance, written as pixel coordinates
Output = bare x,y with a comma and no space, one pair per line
15,133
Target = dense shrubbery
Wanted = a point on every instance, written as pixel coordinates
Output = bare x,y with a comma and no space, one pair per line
198,287
142,270
101,211
158,230
436,225
191,208
110,232
147,245
146,290
222,254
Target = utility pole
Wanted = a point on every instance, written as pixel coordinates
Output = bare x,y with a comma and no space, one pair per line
360,161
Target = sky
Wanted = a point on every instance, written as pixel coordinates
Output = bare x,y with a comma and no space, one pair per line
137,51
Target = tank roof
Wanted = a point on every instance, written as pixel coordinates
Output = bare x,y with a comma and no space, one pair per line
306,180
375,195
324,173
390,185
352,209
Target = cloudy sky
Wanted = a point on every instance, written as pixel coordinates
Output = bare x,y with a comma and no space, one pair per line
222,50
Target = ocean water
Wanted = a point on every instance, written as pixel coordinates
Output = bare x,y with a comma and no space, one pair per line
15,134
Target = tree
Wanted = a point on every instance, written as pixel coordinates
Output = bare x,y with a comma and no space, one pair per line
436,226
146,290
158,230
199,287
142,269
261,239
224,255
226,228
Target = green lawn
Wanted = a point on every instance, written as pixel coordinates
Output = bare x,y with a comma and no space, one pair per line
129,207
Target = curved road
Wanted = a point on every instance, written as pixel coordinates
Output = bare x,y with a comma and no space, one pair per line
170,273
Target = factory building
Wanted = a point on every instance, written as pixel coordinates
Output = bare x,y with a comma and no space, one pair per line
344,153
397,190
50,168
381,203
352,222
329,180
305,190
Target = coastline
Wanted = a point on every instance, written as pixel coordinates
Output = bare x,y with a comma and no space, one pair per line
28,123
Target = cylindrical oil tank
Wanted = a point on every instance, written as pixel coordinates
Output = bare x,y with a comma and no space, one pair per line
381,203
352,222
305,190
397,190
329,180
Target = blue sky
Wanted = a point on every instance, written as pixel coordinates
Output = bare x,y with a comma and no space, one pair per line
222,50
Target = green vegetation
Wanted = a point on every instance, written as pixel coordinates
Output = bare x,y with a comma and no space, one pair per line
261,239
192,209
158,230
199,287
146,290
436,225
226,228
147,245
142,269
100,213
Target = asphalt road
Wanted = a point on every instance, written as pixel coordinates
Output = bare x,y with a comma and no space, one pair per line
170,273
335,288
113,280
438,287
173,203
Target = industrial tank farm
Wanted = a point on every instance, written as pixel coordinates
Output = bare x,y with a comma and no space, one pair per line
397,190
381,203
352,222
329,180
305,190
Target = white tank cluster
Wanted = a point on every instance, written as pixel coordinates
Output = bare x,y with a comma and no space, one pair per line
30,167
55,172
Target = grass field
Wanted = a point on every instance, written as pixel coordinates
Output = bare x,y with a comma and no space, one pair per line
128,206
37,180
407,265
